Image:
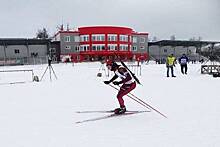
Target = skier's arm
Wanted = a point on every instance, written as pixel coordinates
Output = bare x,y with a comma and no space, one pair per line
112,79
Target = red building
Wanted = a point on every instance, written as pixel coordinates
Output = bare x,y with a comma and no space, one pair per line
103,42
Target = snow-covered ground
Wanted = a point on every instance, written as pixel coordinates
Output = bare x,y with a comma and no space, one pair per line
43,114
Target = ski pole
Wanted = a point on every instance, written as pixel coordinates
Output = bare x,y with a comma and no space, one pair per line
142,102
136,97
131,97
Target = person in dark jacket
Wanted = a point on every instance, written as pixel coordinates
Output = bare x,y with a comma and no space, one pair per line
183,60
127,81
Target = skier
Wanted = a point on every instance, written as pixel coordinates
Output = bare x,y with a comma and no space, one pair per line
183,60
126,79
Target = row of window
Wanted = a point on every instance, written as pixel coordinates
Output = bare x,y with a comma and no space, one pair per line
100,47
101,37
33,54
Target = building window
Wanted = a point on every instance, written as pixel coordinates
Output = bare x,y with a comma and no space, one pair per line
77,58
68,47
142,47
112,37
112,47
77,48
34,54
17,51
134,39
84,38
84,47
98,47
52,50
142,39
76,38
123,47
134,48
67,38
165,50
123,38
98,37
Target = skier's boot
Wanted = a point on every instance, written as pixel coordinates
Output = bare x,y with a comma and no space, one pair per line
120,110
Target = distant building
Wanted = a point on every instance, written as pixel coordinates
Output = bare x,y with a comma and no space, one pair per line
159,50
15,51
103,42
98,43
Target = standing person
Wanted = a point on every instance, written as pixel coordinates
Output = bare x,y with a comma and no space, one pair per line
183,60
127,81
170,63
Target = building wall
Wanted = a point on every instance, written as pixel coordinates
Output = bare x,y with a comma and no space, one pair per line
141,42
55,50
2,52
70,46
161,52
122,37
23,51
102,39
40,50
16,51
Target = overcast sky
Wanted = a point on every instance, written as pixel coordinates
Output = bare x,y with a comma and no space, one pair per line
161,18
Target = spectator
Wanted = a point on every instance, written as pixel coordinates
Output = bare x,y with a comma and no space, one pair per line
170,63
183,60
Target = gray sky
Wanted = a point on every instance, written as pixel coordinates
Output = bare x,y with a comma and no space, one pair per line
161,18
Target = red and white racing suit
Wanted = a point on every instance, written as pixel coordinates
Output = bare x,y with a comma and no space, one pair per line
128,84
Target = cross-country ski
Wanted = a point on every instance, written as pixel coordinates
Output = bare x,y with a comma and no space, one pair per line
108,111
110,116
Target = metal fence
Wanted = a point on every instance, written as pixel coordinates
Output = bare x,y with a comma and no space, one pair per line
25,61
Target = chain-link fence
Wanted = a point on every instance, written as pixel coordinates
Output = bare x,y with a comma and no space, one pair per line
25,61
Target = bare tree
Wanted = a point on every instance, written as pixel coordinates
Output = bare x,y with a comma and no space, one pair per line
42,34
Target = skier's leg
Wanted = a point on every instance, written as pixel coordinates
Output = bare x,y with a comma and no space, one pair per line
125,89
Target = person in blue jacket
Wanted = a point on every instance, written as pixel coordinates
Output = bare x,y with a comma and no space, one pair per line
183,60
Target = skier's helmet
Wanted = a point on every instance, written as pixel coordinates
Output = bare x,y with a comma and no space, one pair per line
112,64
109,62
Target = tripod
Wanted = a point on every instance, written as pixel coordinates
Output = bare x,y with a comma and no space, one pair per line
102,68
50,68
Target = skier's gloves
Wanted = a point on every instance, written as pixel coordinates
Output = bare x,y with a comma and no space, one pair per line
116,83
106,82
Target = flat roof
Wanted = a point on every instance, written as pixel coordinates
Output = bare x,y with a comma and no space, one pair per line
21,41
180,43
